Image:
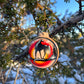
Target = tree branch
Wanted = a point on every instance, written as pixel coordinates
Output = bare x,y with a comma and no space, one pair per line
42,7
65,25
24,54
58,20
80,5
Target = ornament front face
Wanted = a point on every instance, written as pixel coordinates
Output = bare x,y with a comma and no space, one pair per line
43,52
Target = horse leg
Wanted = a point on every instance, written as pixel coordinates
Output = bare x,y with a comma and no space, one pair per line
44,54
40,54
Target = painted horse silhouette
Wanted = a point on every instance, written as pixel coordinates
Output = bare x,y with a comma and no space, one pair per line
43,51
39,47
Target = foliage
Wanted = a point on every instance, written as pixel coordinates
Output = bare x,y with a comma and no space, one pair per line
13,37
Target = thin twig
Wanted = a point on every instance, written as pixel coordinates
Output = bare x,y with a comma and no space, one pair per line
81,81
80,30
24,77
17,73
22,30
18,47
8,73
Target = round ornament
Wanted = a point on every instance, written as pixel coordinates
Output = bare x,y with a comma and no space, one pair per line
43,51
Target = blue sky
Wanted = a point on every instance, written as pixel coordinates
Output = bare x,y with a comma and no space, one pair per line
62,6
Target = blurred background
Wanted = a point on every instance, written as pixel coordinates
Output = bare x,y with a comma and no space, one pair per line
22,20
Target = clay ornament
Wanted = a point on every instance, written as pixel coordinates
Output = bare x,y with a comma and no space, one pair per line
43,51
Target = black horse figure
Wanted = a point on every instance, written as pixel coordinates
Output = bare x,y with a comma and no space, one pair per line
39,47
